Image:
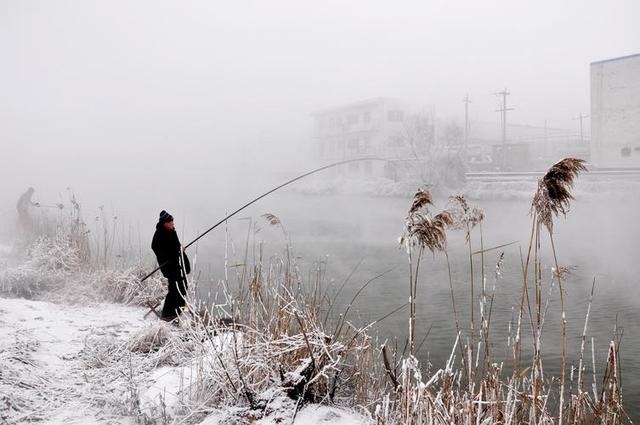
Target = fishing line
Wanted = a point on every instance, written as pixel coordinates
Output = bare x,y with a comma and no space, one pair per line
288,182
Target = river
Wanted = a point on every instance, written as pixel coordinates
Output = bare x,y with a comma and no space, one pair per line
597,240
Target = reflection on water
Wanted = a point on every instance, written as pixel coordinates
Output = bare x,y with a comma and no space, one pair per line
345,230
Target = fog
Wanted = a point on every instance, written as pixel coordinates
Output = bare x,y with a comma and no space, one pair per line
153,103
197,107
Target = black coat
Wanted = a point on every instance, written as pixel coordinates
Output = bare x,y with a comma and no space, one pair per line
166,246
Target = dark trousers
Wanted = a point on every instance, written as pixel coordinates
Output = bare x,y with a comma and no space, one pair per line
175,298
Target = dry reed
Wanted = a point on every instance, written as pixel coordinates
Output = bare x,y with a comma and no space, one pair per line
269,347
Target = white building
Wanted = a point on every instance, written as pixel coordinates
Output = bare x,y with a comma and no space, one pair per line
369,128
615,112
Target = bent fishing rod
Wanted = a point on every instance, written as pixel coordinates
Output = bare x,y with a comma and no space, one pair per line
317,170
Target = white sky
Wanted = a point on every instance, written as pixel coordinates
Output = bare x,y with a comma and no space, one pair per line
124,91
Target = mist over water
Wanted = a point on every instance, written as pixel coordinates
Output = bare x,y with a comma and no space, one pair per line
360,233
136,107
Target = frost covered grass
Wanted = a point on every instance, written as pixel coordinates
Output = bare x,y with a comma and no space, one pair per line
48,263
475,386
41,345
276,348
53,269
268,361
59,258
20,372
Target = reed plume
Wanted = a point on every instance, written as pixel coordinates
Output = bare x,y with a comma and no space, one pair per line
271,219
421,199
553,196
464,216
424,230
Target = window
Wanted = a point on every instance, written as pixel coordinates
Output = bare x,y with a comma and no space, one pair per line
366,117
626,151
354,145
395,115
368,168
366,139
395,141
390,171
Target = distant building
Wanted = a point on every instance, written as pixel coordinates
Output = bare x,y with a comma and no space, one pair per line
370,128
615,112
528,147
412,142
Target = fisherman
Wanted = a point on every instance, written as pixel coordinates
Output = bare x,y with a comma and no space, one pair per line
23,206
171,257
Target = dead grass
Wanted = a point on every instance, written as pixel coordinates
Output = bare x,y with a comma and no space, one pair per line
269,346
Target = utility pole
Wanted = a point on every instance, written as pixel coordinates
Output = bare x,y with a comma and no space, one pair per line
580,117
466,101
504,93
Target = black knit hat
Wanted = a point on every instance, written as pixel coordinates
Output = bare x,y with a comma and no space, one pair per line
165,217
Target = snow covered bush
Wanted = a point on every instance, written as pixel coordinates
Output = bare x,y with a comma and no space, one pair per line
54,269
54,254
47,266
124,286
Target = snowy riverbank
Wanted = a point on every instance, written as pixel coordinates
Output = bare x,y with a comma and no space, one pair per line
44,377
54,371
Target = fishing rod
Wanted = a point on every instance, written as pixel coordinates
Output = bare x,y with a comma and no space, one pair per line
57,206
288,182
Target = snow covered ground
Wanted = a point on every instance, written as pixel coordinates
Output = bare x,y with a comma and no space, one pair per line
54,371
42,341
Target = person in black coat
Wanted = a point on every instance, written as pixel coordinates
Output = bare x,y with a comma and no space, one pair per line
170,255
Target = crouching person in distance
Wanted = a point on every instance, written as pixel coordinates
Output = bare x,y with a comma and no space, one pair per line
170,254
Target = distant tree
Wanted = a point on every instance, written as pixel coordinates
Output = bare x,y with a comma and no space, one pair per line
418,133
419,157
453,133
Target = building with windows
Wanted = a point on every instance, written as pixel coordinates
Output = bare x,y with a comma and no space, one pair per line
388,128
615,112
370,128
